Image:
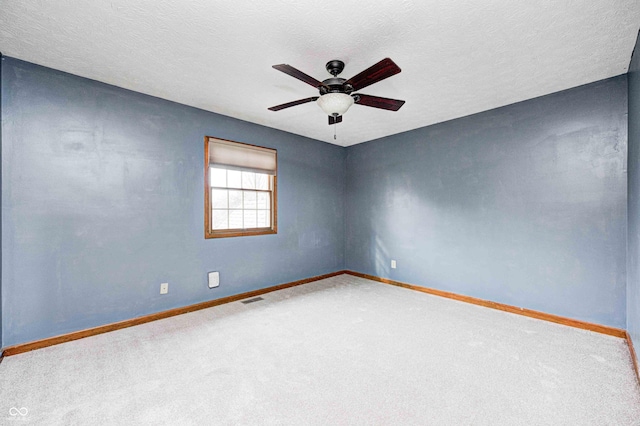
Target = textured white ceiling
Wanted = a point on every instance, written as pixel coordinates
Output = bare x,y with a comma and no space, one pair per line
457,57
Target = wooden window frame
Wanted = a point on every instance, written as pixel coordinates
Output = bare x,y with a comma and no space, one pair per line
226,233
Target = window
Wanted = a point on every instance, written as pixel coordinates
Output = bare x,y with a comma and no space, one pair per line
240,189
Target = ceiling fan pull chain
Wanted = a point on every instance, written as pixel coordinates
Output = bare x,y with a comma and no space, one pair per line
334,130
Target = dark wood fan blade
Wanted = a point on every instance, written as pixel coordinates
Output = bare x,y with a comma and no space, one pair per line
293,72
294,103
383,69
334,120
378,102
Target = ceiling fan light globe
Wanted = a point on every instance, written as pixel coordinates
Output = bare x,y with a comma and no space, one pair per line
335,104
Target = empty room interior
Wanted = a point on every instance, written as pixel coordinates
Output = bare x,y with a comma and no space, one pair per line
320,212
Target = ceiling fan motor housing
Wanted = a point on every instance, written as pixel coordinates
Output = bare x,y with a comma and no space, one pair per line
335,85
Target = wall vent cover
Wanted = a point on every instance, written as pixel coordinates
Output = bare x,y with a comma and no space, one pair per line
255,299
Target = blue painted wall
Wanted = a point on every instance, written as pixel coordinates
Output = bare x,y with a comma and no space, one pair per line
102,200
633,280
524,205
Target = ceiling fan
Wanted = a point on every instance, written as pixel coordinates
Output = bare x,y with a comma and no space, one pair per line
336,94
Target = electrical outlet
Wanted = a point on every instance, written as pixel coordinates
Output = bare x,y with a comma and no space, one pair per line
214,279
164,288
393,264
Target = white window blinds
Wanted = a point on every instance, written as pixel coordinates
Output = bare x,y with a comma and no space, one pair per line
239,156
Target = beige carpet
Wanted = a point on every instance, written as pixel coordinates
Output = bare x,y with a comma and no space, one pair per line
339,351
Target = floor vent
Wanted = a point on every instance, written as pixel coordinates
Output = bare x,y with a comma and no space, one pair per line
255,299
